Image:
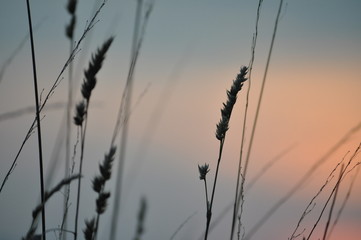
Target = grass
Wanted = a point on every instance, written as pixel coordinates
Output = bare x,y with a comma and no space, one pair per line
38,125
110,201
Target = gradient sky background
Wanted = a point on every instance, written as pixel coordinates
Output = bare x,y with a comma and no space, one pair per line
191,53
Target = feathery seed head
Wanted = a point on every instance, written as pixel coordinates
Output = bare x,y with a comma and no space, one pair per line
89,229
94,66
69,29
106,167
71,6
101,202
98,183
203,170
222,128
226,111
80,113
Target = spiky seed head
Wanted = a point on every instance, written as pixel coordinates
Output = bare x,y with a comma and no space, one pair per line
222,128
80,113
101,202
98,183
203,170
89,229
226,111
71,7
94,66
106,167
69,29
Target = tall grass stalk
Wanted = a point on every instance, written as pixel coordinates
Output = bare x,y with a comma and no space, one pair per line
262,90
239,192
82,113
141,219
37,110
124,110
99,181
57,81
244,173
222,128
248,187
69,31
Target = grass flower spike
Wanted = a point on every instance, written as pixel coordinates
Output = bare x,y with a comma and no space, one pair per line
222,128
226,111
203,170
94,66
80,113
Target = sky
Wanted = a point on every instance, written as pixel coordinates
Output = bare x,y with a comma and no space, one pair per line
192,50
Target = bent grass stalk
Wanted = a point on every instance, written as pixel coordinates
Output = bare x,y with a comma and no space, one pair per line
40,207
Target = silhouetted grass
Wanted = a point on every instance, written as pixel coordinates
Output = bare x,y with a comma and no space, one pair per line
92,225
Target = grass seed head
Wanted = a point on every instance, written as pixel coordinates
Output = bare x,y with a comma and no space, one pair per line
71,7
94,66
203,170
226,111
80,113
69,29
101,202
89,229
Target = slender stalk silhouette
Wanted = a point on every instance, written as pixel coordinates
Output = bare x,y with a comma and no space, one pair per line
37,110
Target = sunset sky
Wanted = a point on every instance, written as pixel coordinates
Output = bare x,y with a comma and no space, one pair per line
192,51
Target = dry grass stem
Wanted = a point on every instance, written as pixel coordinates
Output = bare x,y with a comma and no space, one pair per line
69,31
239,192
105,169
87,87
141,219
221,130
37,111
124,109
57,81
348,194
48,195
342,176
